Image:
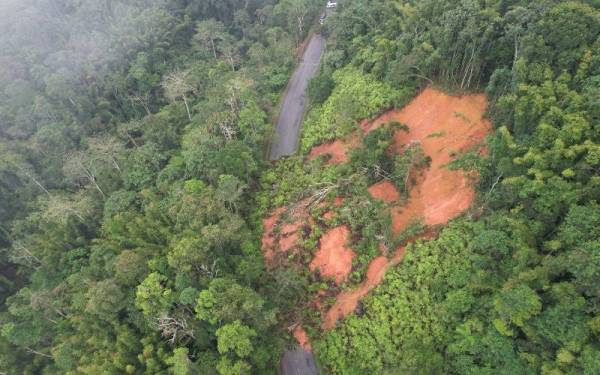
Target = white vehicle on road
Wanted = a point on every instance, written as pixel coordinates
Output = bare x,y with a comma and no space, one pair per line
331,4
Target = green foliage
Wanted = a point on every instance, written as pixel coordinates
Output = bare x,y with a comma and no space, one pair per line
132,137
517,305
105,300
519,298
356,96
320,87
226,301
235,338
407,165
153,297
374,157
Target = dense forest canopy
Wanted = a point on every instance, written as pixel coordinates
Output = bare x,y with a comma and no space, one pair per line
133,185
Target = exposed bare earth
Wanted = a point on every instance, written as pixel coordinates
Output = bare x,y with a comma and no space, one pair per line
334,258
302,338
444,126
337,152
281,231
386,191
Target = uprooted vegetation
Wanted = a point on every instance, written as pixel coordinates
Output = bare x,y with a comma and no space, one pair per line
395,184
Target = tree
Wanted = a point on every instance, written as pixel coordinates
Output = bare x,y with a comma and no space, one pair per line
153,297
235,338
209,33
517,305
229,51
105,299
178,85
181,363
226,301
14,163
80,168
107,149
230,190
190,253
130,267
60,208
142,166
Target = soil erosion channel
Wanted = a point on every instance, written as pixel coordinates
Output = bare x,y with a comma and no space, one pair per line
445,126
295,100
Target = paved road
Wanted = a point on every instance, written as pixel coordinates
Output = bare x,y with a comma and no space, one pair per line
294,103
298,362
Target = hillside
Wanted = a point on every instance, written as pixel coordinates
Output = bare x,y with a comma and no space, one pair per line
440,216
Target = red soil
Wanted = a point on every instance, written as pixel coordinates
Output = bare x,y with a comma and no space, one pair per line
334,257
302,338
287,243
347,301
337,150
442,124
385,190
269,237
284,240
336,203
289,236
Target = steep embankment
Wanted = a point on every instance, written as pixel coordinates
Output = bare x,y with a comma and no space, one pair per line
444,126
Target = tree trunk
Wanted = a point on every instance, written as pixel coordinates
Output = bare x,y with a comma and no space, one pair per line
29,350
187,108
38,184
117,167
92,179
231,63
212,43
98,187
514,65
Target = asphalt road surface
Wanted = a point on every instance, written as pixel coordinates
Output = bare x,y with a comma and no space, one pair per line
295,100
298,362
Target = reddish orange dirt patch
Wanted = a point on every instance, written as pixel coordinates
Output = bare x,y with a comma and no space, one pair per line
443,125
385,190
338,201
287,243
346,302
302,337
269,237
338,150
285,239
334,257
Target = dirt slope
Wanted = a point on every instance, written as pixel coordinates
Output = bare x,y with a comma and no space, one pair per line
334,257
445,126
